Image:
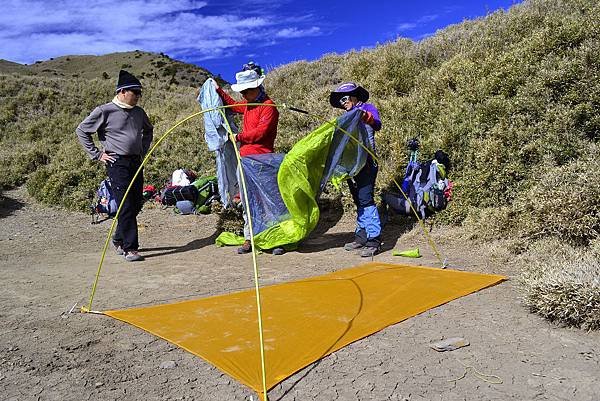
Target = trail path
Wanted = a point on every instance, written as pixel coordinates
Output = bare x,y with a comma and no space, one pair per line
48,259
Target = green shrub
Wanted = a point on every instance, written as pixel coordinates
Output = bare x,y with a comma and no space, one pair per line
514,98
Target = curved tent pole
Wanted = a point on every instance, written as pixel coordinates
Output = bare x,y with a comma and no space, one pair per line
88,308
254,261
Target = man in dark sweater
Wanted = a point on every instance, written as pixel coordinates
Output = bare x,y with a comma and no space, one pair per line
125,134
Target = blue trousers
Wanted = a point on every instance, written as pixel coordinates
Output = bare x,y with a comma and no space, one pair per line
362,188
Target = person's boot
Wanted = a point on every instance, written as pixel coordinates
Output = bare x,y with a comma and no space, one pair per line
372,247
132,256
354,245
278,251
245,248
118,248
369,251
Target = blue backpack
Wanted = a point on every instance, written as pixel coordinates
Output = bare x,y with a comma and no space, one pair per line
106,203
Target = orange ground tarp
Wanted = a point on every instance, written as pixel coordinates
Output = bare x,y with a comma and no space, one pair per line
304,320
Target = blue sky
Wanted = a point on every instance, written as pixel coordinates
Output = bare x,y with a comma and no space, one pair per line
222,35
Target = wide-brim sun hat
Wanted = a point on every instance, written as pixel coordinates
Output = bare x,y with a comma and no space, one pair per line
247,80
348,89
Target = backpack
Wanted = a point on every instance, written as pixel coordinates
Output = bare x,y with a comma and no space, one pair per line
171,195
434,197
208,191
105,203
426,185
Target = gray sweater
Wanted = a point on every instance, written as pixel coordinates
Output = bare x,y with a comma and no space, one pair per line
121,131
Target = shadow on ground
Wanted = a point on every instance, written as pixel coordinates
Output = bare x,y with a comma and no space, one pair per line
9,205
394,229
190,246
331,211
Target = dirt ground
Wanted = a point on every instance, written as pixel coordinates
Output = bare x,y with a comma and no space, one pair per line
48,259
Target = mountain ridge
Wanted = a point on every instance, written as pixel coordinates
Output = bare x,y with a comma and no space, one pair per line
145,65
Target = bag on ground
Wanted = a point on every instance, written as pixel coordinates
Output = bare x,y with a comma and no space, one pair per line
185,207
171,195
426,185
106,202
208,191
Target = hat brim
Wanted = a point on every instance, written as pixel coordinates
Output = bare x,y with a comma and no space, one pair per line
359,92
247,85
132,86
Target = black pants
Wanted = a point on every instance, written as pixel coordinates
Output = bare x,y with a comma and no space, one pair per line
121,173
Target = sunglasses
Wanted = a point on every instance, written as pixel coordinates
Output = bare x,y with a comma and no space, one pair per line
344,100
136,92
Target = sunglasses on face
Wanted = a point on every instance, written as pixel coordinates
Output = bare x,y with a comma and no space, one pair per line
136,92
344,100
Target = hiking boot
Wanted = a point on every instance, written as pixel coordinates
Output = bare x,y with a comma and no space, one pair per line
118,249
351,246
278,251
245,248
369,251
132,256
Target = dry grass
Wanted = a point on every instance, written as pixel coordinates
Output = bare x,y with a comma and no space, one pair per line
562,284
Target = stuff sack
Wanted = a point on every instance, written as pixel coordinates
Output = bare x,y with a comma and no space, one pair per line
185,207
148,192
171,195
106,203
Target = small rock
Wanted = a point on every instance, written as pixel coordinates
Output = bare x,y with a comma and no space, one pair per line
98,384
168,365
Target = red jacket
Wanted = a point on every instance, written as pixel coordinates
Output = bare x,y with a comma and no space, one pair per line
259,125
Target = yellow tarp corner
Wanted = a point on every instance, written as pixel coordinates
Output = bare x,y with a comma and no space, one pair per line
303,320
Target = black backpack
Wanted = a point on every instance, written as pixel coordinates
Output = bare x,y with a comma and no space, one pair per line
171,195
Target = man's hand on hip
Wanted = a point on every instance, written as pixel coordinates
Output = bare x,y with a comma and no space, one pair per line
106,158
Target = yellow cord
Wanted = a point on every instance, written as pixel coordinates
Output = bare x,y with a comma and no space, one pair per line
477,374
256,282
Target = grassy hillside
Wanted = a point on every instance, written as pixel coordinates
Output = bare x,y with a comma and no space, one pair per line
8,67
39,146
158,67
514,98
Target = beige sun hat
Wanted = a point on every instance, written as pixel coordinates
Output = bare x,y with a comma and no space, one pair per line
247,80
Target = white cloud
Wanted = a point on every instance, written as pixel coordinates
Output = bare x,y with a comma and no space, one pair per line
33,30
406,26
427,18
421,21
298,33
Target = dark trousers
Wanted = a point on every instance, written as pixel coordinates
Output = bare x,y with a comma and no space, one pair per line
121,173
362,188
